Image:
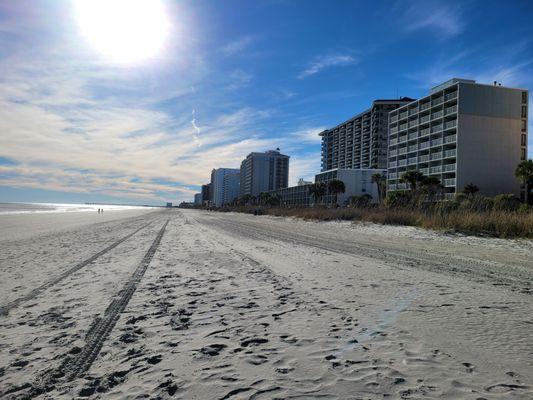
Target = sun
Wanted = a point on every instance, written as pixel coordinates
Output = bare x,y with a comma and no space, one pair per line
124,31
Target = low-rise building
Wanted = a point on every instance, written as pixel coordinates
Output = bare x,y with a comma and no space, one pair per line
294,196
357,182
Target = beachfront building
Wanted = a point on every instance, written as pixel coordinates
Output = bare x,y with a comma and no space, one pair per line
462,132
357,182
361,141
264,172
231,187
205,193
294,196
217,184
302,182
198,199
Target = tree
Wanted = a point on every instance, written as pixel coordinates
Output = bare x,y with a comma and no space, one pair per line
335,187
380,181
431,185
413,178
524,172
317,190
470,189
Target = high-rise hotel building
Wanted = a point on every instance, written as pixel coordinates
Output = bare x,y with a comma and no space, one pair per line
360,142
461,133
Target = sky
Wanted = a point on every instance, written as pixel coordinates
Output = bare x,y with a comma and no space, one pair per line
81,120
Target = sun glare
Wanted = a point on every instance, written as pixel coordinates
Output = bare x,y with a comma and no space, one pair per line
123,31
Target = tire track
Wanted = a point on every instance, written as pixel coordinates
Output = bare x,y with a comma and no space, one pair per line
4,309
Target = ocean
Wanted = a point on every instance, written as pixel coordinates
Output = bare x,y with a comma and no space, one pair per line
29,208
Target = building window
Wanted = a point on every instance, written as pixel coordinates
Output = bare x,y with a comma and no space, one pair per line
523,156
524,140
524,111
524,97
523,125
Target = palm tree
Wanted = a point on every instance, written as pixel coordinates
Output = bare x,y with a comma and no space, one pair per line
317,190
335,187
431,185
524,172
470,189
413,178
379,180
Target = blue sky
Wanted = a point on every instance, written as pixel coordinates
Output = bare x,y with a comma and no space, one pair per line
233,77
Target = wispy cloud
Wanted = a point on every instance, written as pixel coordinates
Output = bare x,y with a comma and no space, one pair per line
324,62
238,46
444,19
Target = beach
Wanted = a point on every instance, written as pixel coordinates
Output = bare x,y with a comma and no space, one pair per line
188,304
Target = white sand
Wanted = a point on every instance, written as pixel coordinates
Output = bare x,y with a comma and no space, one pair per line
241,307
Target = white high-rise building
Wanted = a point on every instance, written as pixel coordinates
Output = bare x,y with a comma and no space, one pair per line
217,182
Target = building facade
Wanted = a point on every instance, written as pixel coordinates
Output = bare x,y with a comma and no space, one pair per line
231,187
205,193
294,196
198,199
217,184
264,172
360,142
357,182
461,133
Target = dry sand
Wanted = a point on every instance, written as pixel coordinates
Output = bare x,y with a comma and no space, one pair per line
232,306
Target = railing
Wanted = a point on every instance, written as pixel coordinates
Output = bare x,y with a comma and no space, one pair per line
394,130
392,187
423,145
436,128
423,158
394,118
448,168
437,101
435,170
403,126
436,142
402,186
424,132
413,111
424,119
403,115
403,150
425,171
413,135
393,142
411,160
393,153
436,115
413,147
449,182
413,123
402,163
450,124
424,106
450,110
392,164
450,153
394,175
435,156
450,139
402,138
450,96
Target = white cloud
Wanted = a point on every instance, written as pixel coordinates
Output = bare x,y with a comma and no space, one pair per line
444,19
238,46
325,62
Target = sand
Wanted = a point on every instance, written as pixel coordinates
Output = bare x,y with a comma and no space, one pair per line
187,304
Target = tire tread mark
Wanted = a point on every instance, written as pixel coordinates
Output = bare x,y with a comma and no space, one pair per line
4,309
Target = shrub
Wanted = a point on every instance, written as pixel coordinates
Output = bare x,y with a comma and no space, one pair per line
506,202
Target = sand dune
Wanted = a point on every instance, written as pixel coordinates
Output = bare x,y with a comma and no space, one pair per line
231,306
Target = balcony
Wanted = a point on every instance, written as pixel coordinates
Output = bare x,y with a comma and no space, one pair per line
424,106
450,110
413,123
450,124
411,160
448,168
435,170
402,138
450,153
393,153
394,118
450,139
394,130
423,158
403,126
425,171
424,119
437,115
392,164
393,142
450,96
392,187
437,101
435,156
423,145
403,115
450,182
424,132
436,142
413,111
413,147
402,163
413,135
436,128
393,175
403,150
